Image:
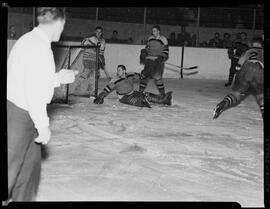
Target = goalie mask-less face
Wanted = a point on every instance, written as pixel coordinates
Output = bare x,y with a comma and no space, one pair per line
121,72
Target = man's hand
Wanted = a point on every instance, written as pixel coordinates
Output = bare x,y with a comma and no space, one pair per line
44,135
67,76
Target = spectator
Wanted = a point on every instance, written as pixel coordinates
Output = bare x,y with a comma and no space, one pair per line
216,42
183,36
226,42
12,32
194,40
204,44
244,39
172,40
31,26
130,40
114,38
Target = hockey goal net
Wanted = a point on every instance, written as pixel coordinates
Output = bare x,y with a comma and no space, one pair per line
71,57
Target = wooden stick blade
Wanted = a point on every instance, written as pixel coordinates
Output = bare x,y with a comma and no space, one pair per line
190,73
194,67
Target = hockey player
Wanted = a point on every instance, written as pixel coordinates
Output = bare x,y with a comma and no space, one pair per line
249,79
153,57
123,83
238,48
89,56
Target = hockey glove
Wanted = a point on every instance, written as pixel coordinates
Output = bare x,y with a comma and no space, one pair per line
219,109
160,59
238,67
100,98
143,56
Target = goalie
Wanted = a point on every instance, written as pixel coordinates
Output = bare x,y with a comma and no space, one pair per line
249,79
123,83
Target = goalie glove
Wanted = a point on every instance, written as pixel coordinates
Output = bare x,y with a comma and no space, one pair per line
220,108
100,98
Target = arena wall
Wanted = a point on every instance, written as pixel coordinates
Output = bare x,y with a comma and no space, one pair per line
212,63
76,27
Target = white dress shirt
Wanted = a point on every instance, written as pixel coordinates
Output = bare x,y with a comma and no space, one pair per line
31,76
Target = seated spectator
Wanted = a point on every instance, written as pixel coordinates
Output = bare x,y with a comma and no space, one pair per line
204,44
31,26
183,37
216,42
114,38
130,40
226,42
194,40
12,32
172,41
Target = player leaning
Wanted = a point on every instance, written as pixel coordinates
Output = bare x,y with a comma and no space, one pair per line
249,79
153,57
123,84
238,48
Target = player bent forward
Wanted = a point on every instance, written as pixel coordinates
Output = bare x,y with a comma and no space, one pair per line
123,83
249,80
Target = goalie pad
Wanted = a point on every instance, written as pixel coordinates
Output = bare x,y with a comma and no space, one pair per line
136,99
159,98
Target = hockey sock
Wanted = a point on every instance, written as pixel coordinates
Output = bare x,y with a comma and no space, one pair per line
160,86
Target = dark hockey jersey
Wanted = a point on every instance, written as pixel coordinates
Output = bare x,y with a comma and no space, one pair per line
90,53
253,55
238,49
122,86
157,47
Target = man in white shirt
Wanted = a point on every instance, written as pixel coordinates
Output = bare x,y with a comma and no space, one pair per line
31,79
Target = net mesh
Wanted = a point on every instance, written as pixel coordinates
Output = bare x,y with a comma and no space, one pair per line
81,86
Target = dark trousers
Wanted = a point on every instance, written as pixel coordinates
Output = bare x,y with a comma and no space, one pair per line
234,62
152,70
24,155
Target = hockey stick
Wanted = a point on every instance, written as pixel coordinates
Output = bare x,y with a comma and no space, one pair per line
184,68
184,73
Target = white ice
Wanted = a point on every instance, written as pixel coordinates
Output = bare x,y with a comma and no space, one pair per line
178,153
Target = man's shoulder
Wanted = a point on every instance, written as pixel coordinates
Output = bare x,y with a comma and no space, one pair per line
163,38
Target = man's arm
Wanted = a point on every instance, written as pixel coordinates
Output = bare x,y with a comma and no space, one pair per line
107,90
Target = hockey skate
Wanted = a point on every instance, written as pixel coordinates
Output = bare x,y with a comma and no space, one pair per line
168,98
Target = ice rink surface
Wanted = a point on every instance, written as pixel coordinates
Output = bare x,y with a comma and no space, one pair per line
117,152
